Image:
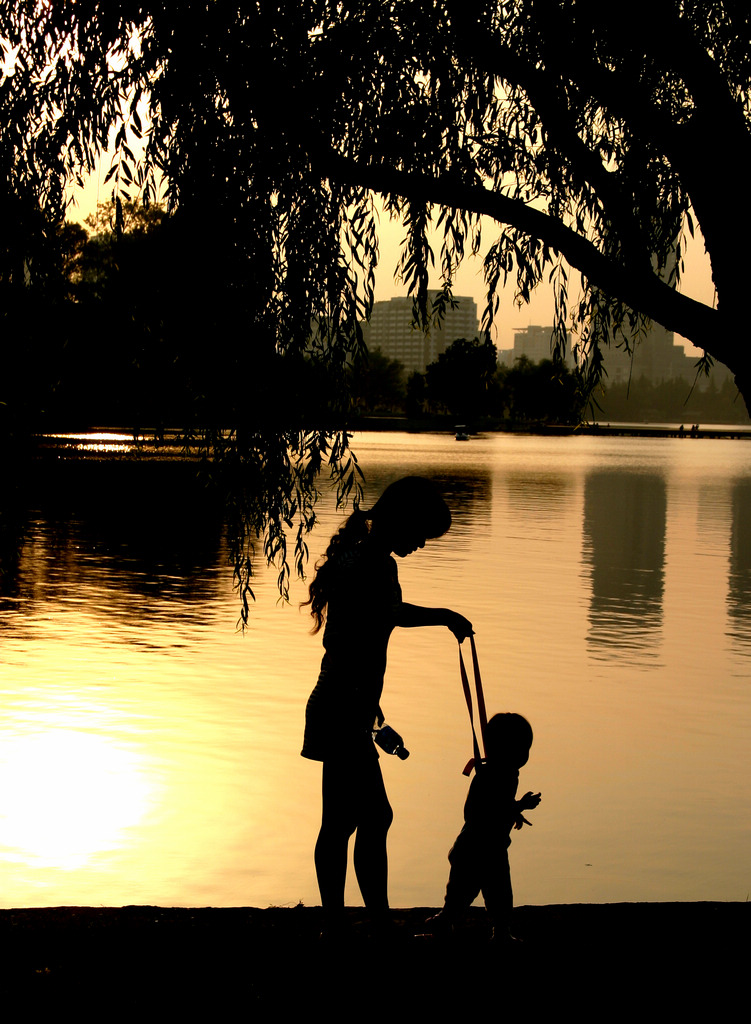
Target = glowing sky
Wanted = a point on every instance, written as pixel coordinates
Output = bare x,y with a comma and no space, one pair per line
697,281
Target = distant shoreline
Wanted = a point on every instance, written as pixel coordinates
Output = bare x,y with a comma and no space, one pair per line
614,429
120,442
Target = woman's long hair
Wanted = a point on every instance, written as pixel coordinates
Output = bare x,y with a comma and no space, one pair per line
412,501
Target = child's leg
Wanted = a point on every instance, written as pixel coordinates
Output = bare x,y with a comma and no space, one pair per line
497,891
463,885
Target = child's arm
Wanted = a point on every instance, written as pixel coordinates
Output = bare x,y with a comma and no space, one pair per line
529,801
526,803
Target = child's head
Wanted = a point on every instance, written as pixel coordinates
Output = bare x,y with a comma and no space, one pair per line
508,737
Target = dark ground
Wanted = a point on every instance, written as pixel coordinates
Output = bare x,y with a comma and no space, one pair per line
641,961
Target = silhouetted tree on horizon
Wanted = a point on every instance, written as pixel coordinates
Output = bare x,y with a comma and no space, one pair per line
463,379
377,383
544,392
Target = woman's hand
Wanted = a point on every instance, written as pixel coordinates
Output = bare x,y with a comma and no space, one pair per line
459,626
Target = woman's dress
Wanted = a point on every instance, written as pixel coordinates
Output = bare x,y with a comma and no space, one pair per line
362,610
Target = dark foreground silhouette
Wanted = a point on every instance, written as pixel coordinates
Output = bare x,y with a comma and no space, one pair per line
639,961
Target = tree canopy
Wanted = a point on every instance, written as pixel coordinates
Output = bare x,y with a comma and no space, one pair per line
376,383
592,138
544,392
462,380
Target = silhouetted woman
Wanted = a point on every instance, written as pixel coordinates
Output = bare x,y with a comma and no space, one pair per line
356,592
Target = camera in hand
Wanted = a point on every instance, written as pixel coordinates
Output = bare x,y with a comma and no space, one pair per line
388,739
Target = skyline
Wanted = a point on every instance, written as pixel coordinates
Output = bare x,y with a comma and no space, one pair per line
510,318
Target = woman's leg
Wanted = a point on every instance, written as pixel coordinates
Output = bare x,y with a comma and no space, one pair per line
354,798
371,859
338,822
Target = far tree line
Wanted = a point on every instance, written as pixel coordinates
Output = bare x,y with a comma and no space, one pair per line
467,383
128,327
116,334
114,337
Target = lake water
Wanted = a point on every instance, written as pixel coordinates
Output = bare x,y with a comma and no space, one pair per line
149,752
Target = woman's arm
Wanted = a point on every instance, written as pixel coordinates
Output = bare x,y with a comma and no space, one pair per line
416,615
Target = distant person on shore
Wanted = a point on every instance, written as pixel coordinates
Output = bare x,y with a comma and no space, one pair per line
479,857
356,593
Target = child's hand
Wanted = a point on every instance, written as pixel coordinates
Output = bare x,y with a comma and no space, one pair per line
525,803
529,801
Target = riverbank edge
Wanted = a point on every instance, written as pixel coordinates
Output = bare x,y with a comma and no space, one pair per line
169,447
666,953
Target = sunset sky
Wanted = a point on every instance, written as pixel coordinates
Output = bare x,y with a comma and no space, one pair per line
697,282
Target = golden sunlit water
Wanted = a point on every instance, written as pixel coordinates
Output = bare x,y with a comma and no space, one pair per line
149,752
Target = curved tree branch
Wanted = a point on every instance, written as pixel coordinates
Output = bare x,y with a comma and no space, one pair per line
641,290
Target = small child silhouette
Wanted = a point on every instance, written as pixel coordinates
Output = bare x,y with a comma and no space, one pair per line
479,857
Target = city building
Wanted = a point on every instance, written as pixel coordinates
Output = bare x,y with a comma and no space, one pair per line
655,357
391,330
534,343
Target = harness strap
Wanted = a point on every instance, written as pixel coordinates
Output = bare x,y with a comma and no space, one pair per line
478,687
481,713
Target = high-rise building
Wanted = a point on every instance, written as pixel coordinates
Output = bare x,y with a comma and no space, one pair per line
391,330
534,343
655,357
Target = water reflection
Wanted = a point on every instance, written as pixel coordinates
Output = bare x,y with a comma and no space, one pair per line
68,795
539,498
624,546
102,442
713,514
150,754
739,570
124,534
